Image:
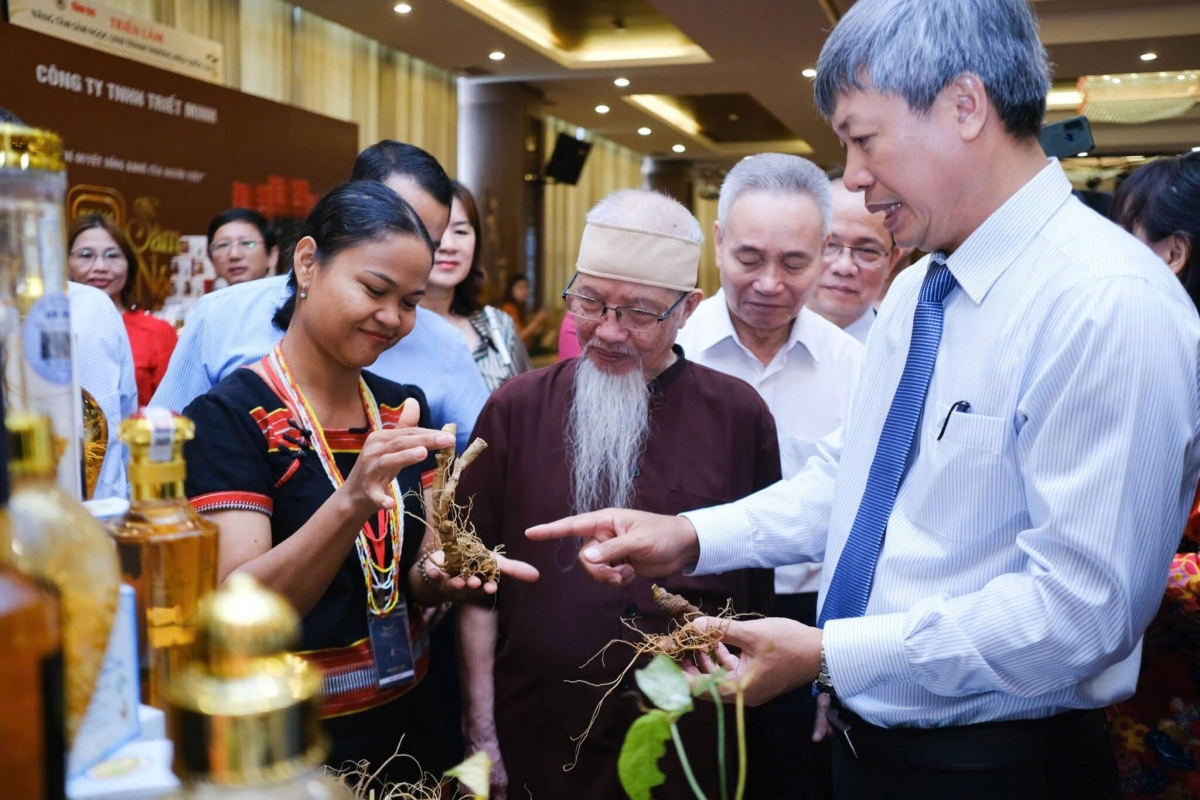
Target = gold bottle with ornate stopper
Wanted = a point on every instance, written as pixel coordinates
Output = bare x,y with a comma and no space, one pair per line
56,539
33,756
167,551
245,714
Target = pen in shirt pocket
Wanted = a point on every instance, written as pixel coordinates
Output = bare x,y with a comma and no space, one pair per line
962,406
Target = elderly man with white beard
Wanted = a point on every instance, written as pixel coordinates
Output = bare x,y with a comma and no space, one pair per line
631,424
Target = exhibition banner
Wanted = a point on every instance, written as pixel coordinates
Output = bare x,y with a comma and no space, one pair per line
161,153
103,28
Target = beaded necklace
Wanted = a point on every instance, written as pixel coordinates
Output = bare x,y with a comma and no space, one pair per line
382,576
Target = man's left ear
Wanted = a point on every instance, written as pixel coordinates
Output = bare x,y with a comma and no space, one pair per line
689,305
971,105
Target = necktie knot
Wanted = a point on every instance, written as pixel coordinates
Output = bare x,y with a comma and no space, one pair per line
939,281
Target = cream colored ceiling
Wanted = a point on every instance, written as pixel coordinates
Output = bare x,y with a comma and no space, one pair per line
759,47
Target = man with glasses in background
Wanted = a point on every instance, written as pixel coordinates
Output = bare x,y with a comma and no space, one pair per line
859,256
773,218
633,424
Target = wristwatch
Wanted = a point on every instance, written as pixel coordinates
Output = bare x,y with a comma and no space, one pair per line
824,680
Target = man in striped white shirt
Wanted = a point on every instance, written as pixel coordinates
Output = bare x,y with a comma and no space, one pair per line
1018,459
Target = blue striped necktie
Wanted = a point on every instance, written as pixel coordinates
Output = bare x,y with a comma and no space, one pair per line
855,571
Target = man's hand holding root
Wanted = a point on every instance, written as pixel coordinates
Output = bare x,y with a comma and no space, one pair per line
619,544
777,655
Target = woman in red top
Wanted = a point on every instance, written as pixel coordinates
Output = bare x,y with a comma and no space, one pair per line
100,256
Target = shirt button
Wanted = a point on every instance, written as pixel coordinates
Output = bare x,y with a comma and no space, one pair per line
631,610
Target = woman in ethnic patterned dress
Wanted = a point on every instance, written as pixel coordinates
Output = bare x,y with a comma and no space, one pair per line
1156,733
312,468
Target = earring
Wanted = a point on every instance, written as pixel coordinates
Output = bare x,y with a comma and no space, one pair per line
304,291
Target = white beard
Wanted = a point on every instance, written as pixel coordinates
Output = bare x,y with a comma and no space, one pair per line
607,427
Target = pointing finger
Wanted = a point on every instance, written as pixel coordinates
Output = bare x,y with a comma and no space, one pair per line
595,525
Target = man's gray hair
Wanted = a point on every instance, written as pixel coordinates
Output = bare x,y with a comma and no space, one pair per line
648,211
780,174
916,48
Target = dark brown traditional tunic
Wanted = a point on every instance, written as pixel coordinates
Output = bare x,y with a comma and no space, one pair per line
712,440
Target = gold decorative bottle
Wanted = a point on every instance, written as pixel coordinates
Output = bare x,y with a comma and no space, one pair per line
245,714
56,539
33,756
167,551
35,314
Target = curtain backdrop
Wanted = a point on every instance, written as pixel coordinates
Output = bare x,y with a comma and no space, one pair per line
284,53
609,167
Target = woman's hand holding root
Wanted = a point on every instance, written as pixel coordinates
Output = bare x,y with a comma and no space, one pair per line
368,486
777,655
459,588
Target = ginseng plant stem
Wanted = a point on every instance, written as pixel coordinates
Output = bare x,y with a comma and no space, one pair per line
687,767
741,736
721,774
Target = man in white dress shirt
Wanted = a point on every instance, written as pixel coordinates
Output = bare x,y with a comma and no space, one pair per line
773,217
859,256
1020,453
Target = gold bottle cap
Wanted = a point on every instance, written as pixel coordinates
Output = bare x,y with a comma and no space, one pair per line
30,149
155,437
244,711
30,444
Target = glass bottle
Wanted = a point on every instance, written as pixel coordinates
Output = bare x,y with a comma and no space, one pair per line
35,315
167,551
33,756
245,714
57,540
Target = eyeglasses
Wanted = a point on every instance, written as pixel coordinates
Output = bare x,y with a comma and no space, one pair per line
863,257
224,247
638,320
86,256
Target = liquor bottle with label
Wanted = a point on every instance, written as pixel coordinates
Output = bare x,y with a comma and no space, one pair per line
167,551
56,539
33,756
245,714
35,314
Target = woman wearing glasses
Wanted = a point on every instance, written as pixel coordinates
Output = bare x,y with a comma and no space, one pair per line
453,293
242,246
99,255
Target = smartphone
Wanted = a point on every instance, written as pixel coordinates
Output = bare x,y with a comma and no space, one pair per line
1067,139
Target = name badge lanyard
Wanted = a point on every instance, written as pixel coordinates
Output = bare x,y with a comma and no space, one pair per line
381,575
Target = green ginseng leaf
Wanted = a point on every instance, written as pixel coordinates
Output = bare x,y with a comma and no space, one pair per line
645,744
665,684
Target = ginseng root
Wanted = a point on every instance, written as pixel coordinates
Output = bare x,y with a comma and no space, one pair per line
365,783
684,638
465,555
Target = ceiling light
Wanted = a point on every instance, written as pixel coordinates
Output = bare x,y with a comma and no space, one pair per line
643,131
602,109
809,73
402,8
496,55
1116,80
1148,56
678,148
1082,155
1196,149
622,82
733,117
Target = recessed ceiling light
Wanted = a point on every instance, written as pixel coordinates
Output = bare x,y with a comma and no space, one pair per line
1148,56
643,131
402,8
1196,149
1116,80
496,55
622,82
733,117
602,109
1083,155
678,148
809,73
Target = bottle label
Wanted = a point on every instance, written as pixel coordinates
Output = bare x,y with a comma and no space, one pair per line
47,336
162,432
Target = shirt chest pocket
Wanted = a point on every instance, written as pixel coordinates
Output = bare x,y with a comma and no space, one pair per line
965,462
